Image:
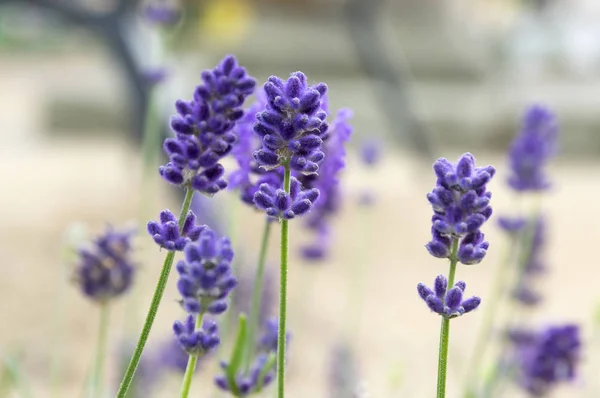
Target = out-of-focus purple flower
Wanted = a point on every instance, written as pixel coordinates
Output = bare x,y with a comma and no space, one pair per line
268,340
205,277
343,372
533,264
547,357
171,356
196,341
242,297
154,76
166,232
105,270
203,128
511,225
162,13
281,205
292,126
251,382
448,303
370,152
460,204
531,149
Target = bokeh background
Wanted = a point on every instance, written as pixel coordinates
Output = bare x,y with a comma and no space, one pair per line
425,79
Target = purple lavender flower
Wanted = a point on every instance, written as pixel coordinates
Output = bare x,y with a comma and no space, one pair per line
531,149
370,152
162,13
327,182
154,76
196,342
205,277
532,267
242,297
293,125
203,128
511,225
166,233
260,375
105,270
547,357
461,205
281,205
448,303
268,341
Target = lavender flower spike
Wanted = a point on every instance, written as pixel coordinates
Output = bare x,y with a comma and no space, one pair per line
281,205
166,233
106,270
460,204
196,342
205,276
293,125
203,128
448,303
531,149
547,357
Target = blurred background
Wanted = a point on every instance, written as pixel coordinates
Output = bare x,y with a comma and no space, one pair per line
80,81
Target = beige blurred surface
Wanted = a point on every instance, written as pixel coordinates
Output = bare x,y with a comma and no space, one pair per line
48,186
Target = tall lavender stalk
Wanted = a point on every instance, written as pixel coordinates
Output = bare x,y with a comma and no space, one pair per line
203,136
292,128
460,204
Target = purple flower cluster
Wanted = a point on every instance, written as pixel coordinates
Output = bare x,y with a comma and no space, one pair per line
547,357
161,13
205,276
292,126
196,342
461,205
262,371
105,270
448,303
533,265
327,182
260,375
166,232
531,149
203,128
279,204
370,152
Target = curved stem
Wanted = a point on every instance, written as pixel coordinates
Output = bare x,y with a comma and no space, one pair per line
445,329
98,375
156,298
191,365
257,293
283,295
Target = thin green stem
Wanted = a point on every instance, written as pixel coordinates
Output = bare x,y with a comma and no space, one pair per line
98,375
445,329
283,295
490,316
191,365
156,298
257,293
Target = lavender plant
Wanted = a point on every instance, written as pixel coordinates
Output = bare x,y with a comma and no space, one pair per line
461,205
528,156
104,272
292,127
203,136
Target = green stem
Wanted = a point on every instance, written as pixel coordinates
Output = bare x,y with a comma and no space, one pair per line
98,375
191,365
283,295
156,298
490,315
257,293
445,329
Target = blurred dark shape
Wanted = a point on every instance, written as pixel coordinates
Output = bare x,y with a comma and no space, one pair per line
111,27
362,17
